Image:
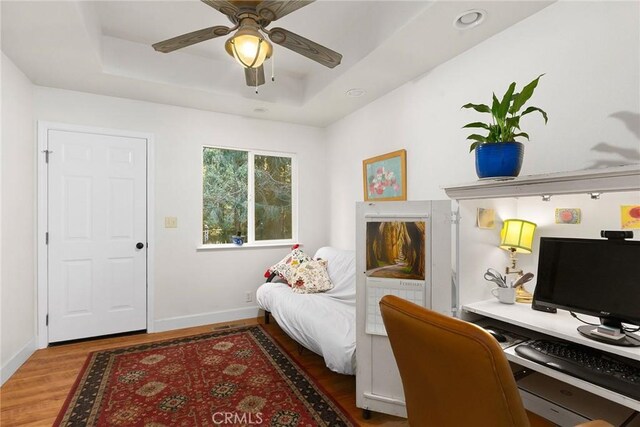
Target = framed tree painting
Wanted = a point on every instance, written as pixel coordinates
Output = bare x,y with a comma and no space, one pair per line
385,177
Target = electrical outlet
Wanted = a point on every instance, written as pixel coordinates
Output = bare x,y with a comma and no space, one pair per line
170,222
248,297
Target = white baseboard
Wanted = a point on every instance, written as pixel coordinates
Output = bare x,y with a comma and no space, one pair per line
17,360
205,318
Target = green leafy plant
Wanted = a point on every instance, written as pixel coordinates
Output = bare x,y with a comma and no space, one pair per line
505,123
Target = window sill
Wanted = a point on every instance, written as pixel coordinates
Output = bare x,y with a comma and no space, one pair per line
231,246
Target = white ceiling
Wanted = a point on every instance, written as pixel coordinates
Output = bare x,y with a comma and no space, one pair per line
103,47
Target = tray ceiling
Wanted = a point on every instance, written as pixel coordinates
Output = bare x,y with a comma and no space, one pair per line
104,47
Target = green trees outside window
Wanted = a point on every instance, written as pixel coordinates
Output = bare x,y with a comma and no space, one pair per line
247,193
273,219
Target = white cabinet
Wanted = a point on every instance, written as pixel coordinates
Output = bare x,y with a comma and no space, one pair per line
598,193
378,384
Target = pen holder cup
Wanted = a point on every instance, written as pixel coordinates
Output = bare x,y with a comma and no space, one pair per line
505,295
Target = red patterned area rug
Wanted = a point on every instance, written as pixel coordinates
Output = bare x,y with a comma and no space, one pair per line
239,377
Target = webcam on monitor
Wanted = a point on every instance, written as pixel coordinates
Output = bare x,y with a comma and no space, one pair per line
616,234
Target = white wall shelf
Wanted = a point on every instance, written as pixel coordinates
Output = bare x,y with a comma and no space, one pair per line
620,178
507,197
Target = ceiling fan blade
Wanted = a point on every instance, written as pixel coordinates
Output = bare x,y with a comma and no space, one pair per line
305,47
272,9
223,6
252,75
194,37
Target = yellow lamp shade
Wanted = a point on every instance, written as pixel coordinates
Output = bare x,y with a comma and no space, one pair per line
517,235
248,47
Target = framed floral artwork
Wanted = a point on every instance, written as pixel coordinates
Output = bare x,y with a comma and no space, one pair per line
385,176
568,215
630,216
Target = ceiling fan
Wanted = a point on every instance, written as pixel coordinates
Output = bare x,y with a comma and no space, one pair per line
248,45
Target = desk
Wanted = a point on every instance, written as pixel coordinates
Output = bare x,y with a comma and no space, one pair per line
559,325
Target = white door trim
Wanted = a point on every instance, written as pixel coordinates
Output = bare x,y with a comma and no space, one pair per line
42,282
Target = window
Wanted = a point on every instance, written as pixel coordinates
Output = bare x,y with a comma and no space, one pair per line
250,193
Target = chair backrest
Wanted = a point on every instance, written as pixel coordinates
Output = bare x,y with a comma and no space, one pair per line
453,372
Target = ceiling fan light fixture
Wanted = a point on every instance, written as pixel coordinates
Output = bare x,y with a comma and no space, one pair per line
249,47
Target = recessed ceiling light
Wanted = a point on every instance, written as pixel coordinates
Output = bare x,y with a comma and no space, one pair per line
469,19
356,92
260,110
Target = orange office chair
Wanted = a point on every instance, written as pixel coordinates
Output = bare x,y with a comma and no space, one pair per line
453,372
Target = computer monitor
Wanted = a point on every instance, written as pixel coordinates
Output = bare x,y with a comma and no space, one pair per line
596,277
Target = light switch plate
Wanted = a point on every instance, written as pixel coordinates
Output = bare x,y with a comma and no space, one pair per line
170,222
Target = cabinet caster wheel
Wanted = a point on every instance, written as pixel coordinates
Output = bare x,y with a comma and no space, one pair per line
366,414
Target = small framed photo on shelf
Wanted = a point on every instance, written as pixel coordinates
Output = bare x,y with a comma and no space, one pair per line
385,177
486,218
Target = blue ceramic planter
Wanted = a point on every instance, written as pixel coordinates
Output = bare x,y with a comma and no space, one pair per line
499,159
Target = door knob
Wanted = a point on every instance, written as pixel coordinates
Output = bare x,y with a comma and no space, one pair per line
139,245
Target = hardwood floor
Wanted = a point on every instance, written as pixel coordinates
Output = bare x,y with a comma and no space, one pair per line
34,395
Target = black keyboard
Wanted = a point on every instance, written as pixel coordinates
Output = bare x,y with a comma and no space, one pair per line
585,363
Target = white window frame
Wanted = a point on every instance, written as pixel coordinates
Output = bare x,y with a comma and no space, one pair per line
251,234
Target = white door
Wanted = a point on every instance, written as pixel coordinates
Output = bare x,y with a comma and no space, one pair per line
97,209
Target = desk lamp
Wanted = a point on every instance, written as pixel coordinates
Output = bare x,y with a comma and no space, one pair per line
516,236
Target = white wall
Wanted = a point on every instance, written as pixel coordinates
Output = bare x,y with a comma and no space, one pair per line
590,54
198,287
17,253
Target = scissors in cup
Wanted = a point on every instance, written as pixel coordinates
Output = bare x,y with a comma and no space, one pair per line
494,276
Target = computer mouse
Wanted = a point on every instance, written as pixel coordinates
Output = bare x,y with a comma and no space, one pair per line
497,335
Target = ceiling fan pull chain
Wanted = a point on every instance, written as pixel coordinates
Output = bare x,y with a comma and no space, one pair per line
273,68
256,80
255,58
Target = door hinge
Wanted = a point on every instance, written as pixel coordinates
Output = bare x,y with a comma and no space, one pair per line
46,155
46,320
46,238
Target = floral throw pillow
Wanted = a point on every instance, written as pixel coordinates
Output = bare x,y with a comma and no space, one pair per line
286,267
311,277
